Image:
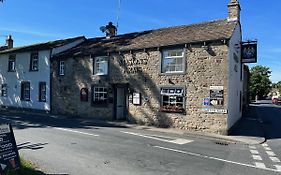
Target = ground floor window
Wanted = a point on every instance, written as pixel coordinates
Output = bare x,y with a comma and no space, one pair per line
25,91
100,95
172,100
42,91
4,90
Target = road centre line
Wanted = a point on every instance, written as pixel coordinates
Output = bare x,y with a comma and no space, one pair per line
78,132
218,159
178,141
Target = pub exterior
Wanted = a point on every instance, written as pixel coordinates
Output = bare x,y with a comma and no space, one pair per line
188,77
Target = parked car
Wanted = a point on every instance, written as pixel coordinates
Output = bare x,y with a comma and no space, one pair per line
276,100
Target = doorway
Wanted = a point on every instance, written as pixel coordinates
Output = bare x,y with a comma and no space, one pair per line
121,109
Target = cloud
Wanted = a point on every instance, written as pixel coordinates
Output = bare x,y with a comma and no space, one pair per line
23,30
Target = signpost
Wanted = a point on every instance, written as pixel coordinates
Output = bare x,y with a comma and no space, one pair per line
9,156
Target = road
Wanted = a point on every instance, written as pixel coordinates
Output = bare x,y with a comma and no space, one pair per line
61,146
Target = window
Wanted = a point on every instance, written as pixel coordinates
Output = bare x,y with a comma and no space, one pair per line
34,62
25,91
4,90
101,66
99,95
172,61
172,100
12,63
42,91
61,68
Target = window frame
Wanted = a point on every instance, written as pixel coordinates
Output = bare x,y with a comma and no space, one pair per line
61,68
41,92
105,62
170,108
99,102
164,56
34,56
4,90
24,90
12,59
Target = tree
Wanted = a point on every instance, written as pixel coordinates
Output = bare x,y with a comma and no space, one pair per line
260,84
277,86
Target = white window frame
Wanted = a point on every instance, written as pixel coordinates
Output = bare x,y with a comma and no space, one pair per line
34,62
25,91
173,94
179,66
101,65
61,68
12,63
102,95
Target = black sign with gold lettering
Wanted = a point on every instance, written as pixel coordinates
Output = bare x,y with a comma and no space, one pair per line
9,156
249,52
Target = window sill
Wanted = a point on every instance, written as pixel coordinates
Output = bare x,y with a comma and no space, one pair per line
172,73
172,110
34,70
11,70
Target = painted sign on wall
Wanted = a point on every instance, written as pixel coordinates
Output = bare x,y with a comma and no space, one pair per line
216,96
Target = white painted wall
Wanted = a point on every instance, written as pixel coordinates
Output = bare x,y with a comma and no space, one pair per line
234,83
22,73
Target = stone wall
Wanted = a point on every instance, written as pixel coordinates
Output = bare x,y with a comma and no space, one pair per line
141,70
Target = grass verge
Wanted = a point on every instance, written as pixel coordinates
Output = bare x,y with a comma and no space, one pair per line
27,168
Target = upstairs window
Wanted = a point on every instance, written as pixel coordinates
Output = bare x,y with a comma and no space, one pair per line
101,66
99,95
34,61
12,63
172,61
42,91
172,100
4,90
25,91
61,68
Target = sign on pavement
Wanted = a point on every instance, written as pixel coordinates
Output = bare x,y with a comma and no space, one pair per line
9,156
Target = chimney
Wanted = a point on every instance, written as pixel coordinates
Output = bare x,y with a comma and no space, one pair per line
111,30
234,10
9,42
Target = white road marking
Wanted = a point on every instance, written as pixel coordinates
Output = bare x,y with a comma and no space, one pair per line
215,158
270,153
178,141
275,159
260,165
78,132
267,148
265,145
256,157
278,167
252,147
254,151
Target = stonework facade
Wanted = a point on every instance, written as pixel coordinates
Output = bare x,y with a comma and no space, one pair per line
186,77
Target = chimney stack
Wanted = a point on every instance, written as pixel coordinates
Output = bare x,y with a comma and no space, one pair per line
9,42
234,10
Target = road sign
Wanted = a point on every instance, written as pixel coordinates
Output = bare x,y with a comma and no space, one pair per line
9,156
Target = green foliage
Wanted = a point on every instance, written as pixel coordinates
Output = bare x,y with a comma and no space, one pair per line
260,84
27,168
277,86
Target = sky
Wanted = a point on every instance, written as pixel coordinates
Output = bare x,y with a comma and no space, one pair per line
30,21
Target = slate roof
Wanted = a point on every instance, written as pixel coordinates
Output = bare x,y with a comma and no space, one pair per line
207,31
3,48
41,46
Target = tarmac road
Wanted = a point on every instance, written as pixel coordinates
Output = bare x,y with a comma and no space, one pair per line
63,146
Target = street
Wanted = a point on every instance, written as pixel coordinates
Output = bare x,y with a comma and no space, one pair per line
63,146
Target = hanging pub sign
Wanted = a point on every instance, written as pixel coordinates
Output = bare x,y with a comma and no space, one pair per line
249,52
9,156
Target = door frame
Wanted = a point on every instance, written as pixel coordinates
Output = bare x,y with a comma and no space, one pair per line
126,99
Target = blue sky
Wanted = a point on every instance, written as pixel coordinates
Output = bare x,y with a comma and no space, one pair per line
31,21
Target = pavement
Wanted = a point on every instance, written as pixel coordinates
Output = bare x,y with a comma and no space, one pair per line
248,130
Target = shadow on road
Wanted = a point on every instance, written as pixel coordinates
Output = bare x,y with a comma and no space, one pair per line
22,120
31,146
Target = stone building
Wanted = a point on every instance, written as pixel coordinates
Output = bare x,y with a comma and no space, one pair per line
188,77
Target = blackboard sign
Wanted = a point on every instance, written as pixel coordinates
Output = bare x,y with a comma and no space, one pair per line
9,156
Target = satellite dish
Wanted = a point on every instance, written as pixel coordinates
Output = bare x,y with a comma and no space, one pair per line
103,29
